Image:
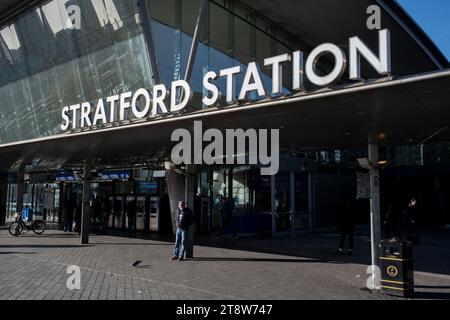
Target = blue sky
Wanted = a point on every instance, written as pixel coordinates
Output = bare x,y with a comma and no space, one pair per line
434,18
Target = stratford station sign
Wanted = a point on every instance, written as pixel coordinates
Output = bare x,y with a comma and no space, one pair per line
143,104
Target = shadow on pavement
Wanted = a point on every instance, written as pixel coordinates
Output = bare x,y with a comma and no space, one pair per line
44,246
432,295
17,253
435,246
319,246
432,287
50,236
132,244
202,259
311,248
145,266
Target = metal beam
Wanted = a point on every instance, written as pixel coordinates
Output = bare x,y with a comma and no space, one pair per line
14,10
198,30
85,215
148,36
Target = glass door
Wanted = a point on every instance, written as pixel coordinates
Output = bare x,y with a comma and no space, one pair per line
283,203
118,212
302,201
140,214
219,193
291,202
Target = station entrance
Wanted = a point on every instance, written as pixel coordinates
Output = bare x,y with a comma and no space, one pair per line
121,201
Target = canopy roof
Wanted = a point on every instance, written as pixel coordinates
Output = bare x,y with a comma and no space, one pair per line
396,112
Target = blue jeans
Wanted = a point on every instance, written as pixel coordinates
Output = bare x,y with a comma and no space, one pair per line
180,243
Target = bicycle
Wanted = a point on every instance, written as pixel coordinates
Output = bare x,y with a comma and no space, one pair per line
16,228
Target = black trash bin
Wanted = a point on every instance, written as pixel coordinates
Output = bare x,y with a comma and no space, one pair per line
397,268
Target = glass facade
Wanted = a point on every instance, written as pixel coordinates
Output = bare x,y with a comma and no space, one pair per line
65,52
62,53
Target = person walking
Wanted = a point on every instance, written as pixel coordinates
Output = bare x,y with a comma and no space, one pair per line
78,212
131,212
97,209
68,215
391,223
227,217
184,219
106,213
347,225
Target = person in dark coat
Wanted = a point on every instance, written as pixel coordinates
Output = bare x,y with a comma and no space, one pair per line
184,218
97,210
411,215
106,212
347,226
69,208
391,223
78,212
131,212
227,217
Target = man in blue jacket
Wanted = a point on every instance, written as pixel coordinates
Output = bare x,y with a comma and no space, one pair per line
184,219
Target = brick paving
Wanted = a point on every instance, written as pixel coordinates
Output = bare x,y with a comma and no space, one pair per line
34,267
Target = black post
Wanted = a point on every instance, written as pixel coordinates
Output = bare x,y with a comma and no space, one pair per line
3,197
86,199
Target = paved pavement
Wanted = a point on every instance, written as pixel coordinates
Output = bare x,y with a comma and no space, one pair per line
34,267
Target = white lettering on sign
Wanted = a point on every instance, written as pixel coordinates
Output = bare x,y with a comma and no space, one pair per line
143,103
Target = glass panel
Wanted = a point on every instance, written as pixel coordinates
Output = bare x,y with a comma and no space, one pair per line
240,191
62,53
140,214
263,194
189,16
219,189
283,202
66,52
301,192
301,201
164,11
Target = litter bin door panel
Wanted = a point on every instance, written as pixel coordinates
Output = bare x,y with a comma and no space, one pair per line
397,268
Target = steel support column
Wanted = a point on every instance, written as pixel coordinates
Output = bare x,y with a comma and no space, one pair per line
189,200
20,187
86,202
3,197
273,204
292,202
375,227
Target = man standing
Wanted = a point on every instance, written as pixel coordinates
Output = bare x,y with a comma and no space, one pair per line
347,225
68,215
227,217
391,223
184,219
131,212
78,217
